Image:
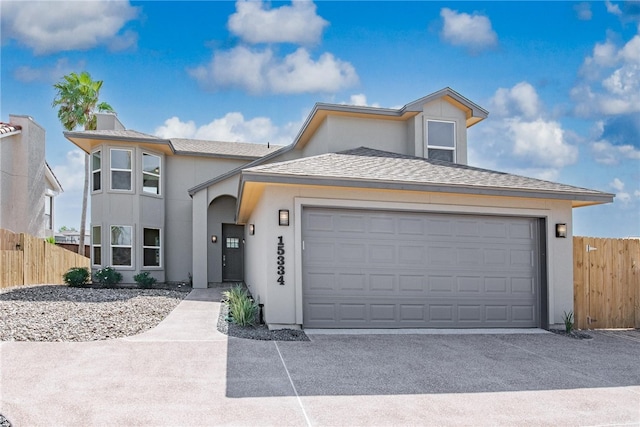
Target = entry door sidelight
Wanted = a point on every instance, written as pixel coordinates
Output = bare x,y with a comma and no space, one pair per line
232,253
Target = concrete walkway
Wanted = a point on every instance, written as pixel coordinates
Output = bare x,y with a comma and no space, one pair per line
185,373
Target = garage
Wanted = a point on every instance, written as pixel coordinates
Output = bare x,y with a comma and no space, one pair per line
397,269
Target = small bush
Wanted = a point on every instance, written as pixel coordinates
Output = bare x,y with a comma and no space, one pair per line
76,277
567,318
242,308
50,239
144,279
108,277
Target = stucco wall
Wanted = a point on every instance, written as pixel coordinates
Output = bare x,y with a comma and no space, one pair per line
22,178
283,304
171,211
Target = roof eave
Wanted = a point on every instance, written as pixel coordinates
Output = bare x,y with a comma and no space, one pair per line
582,199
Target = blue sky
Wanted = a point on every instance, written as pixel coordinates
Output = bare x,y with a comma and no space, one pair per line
561,80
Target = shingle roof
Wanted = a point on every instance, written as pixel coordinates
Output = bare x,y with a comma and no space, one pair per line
231,149
379,167
119,134
8,128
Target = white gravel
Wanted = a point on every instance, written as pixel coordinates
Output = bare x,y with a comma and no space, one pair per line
61,313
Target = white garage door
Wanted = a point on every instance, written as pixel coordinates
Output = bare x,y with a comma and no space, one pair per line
383,269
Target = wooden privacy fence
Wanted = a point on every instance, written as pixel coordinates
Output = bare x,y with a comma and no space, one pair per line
28,260
606,283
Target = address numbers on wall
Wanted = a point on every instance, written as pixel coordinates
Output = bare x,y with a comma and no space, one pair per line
280,261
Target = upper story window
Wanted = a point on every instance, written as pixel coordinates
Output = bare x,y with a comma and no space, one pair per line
150,173
96,171
120,169
441,140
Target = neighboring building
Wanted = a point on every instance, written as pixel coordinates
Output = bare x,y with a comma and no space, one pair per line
28,186
370,218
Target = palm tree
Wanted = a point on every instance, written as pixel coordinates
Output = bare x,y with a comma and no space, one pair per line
77,99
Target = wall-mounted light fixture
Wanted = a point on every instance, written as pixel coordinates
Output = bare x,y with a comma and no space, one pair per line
561,230
252,229
283,217
214,238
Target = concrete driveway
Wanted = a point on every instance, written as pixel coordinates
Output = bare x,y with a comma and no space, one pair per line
185,373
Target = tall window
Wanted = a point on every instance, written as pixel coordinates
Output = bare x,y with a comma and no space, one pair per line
96,170
48,209
121,245
120,169
96,245
441,140
150,173
151,247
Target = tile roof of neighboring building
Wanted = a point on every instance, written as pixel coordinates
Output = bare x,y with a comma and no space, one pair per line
231,149
6,128
366,165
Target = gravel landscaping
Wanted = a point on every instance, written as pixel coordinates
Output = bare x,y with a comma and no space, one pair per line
257,331
61,313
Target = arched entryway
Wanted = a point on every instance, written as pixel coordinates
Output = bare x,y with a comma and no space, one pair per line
225,256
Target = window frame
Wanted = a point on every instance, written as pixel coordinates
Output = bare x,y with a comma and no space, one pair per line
112,169
94,245
48,207
129,246
159,248
428,145
94,171
158,175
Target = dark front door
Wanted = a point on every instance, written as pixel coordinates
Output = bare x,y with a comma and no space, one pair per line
232,253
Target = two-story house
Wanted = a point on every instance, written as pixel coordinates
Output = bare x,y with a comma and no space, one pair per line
28,186
370,218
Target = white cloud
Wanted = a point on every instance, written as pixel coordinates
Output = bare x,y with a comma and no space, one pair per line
71,173
360,100
51,74
583,11
541,142
471,31
609,154
610,79
613,9
617,184
520,137
521,100
48,27
258,70
233,127
637,193
297,23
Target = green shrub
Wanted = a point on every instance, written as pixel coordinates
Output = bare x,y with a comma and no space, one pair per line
567,318
144,279
242,308
50,239
108,277
76,277
244,312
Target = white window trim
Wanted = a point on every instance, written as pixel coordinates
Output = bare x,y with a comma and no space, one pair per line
151,267
440,147
93,172
112,169
159,175
93,245
111,246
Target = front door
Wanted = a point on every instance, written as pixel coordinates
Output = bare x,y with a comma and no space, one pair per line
232,253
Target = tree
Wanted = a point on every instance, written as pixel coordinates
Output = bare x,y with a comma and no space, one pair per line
77,101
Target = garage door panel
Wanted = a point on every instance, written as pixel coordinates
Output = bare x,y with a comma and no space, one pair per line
402,269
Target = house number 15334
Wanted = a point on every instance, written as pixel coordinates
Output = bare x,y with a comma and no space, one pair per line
280,261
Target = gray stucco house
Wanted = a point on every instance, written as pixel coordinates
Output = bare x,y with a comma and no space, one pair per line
370,218
28,186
